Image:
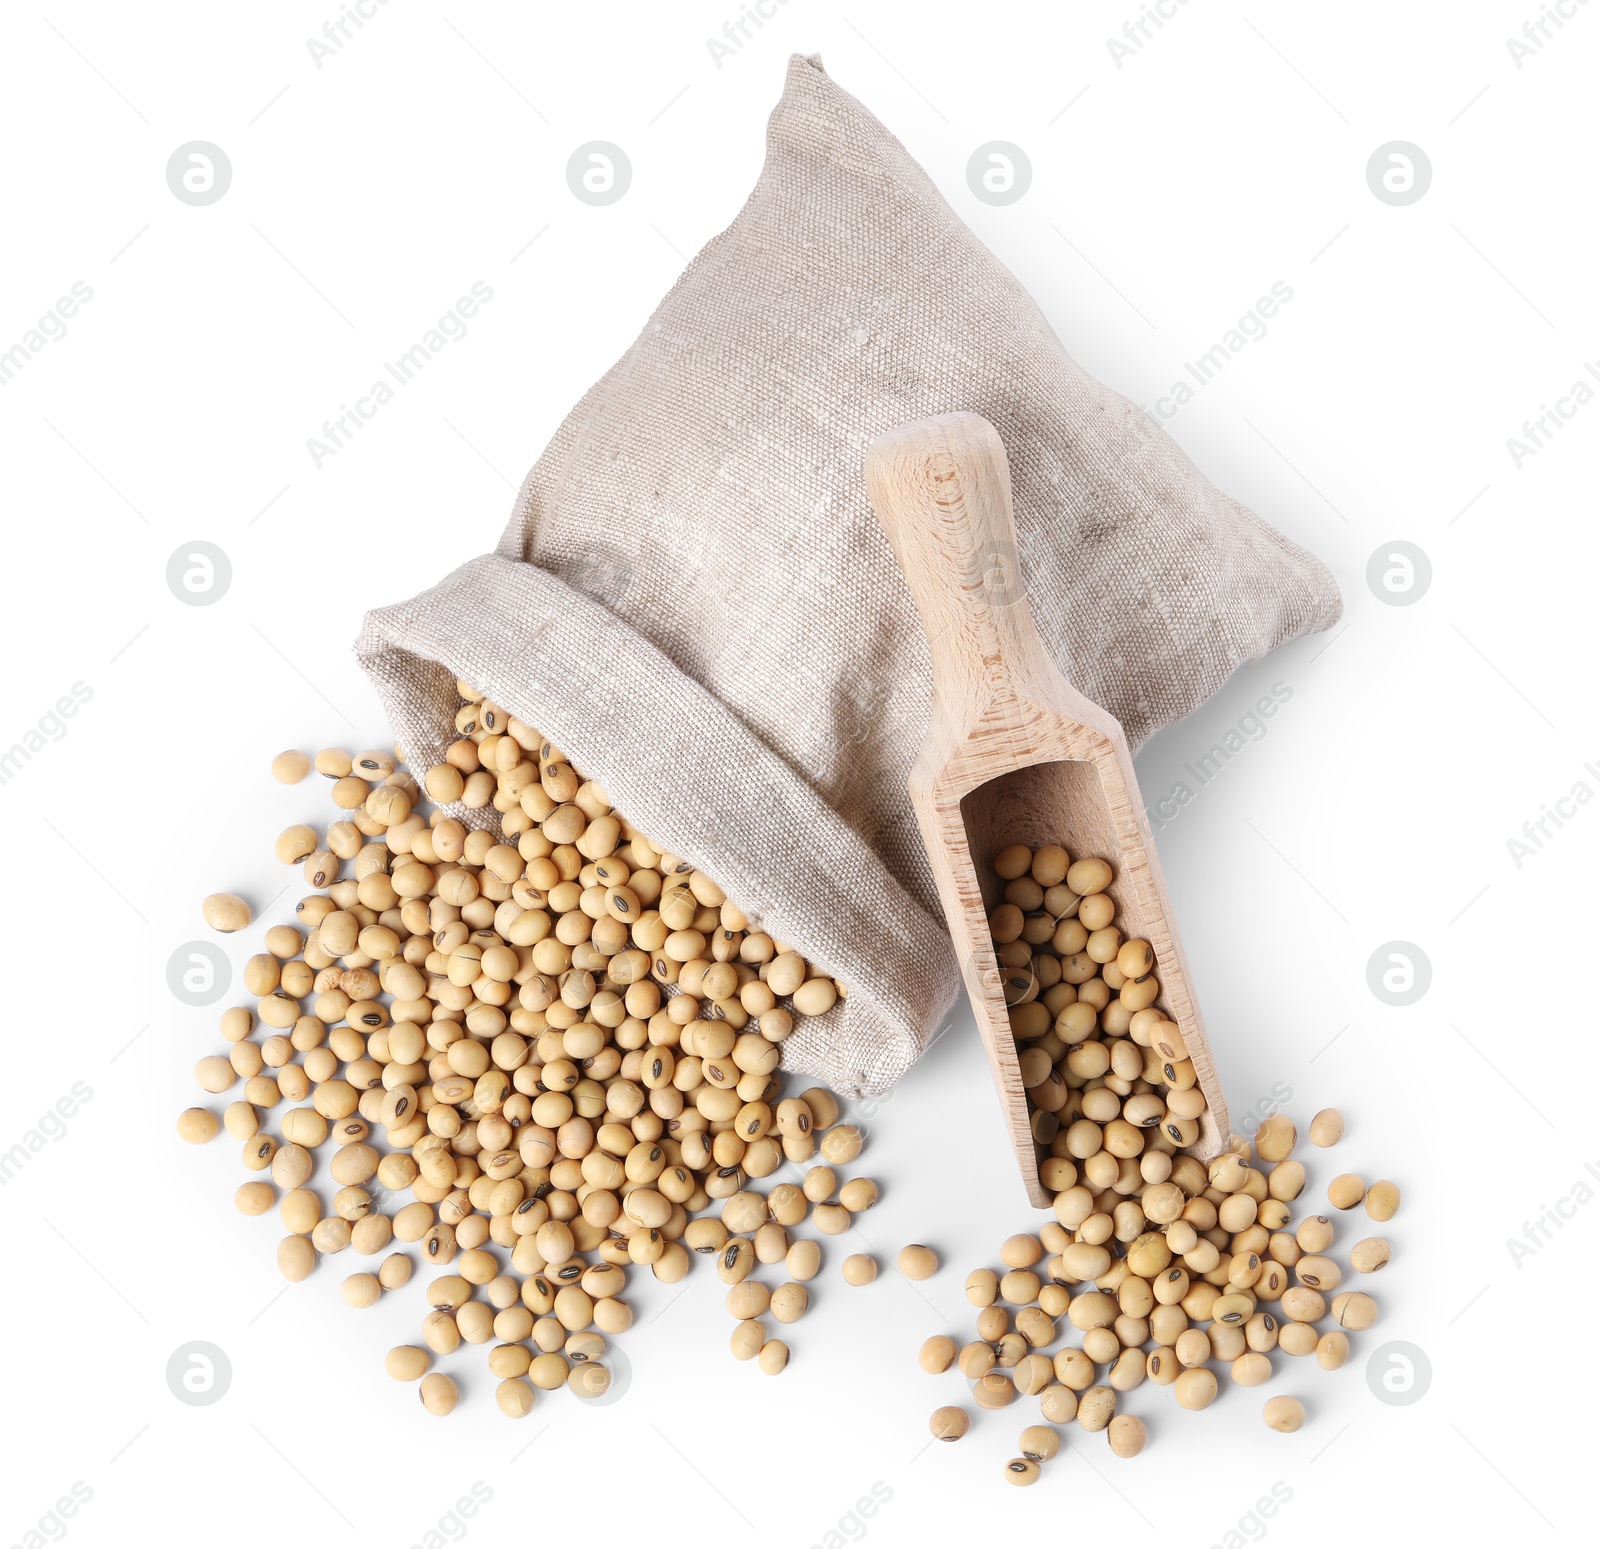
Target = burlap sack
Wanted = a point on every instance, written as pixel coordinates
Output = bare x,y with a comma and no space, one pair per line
694,600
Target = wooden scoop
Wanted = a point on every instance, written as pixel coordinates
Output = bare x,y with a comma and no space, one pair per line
1014,754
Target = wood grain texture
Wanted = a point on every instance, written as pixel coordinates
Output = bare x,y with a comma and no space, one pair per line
1014,754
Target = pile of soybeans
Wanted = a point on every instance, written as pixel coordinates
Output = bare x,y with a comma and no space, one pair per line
545,1053
1165,1268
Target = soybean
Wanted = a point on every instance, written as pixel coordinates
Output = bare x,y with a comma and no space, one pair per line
1275,1138
290,767
225,912
1326,1128
1039,1443
296,1258
406,1363
1383,1200
841,1144
590,1380
803,1260
1126,1434
858,1194
1096,1407
789,1303
1195,1389
1354,1310
1058,1404
1369,1255
253,1199
1283,1413
1346,1190
747,1339
197,1126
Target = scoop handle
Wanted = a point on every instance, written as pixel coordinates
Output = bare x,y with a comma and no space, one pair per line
941,487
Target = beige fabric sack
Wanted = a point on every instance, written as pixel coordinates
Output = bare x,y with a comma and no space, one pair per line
694,600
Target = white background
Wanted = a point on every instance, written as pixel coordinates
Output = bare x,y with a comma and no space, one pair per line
1167,195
